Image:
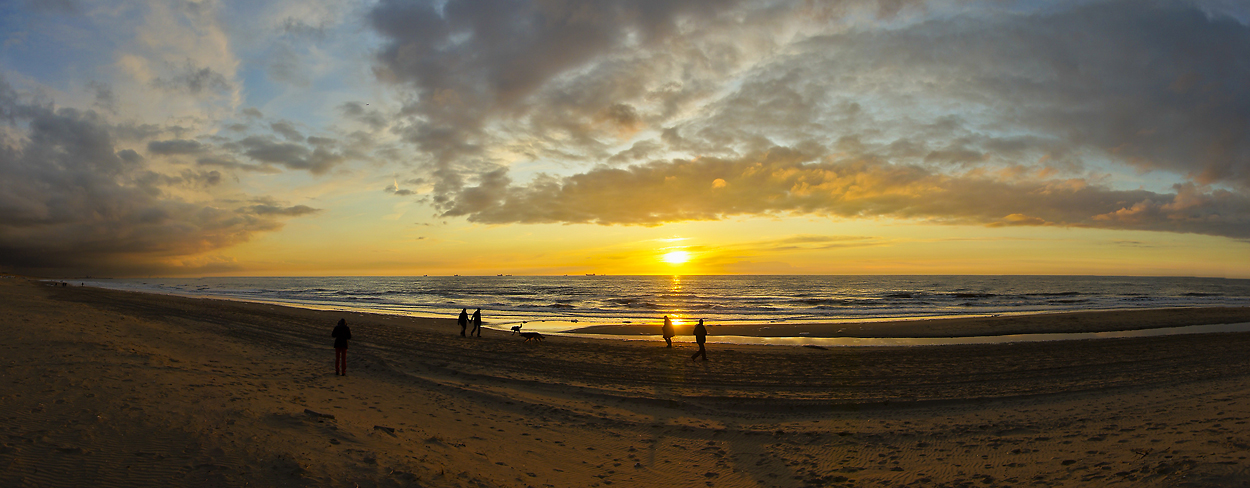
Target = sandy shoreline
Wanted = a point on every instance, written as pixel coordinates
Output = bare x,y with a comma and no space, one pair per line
1056,323
120,389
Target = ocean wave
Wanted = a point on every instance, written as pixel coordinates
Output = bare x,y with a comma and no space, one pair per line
720,299
973,295
820,301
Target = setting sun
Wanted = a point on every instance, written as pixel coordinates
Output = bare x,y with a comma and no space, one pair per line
676,257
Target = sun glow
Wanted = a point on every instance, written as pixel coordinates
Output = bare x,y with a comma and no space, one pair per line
676,257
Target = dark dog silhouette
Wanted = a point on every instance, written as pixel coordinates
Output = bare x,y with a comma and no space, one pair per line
516,329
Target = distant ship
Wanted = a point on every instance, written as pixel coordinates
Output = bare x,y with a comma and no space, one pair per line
590,274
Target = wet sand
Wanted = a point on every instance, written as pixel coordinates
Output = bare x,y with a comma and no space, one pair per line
111,388
1063,323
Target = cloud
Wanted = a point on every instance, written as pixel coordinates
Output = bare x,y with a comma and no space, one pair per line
231,163
300,28
54,6
370,117
175,146
783,181
194,80
266,209
293,156
287,130
812,242
1143,86
104,96
922,110
1153,85
394,189
129,156
71,202
135,132
285,66
469,63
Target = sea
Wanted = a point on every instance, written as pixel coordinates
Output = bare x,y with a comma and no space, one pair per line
565,303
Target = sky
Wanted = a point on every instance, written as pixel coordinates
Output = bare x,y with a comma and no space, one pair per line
396,137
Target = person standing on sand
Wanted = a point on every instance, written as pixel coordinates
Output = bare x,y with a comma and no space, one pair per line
700,336
341,335
477,322
668,331
463,320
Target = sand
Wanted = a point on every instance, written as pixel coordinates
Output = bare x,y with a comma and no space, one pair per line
1064,323
107,388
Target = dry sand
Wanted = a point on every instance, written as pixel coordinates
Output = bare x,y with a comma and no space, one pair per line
105,388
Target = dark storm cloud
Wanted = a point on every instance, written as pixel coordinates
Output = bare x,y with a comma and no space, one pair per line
72,203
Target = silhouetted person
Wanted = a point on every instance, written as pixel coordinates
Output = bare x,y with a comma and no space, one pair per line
341,335
700,336
668,331
463,320
477,323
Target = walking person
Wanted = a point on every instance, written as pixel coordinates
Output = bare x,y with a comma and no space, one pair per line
341,335
700,336
477,323
668,331
463,320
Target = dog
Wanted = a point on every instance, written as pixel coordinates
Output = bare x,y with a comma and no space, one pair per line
529,336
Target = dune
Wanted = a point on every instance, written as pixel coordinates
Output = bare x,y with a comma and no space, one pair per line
109,388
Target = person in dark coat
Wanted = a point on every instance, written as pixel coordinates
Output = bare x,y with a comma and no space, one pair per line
477,322
341,335
700,336
668,331
463,320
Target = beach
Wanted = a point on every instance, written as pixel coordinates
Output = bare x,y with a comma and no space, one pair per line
1063,323
112,388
